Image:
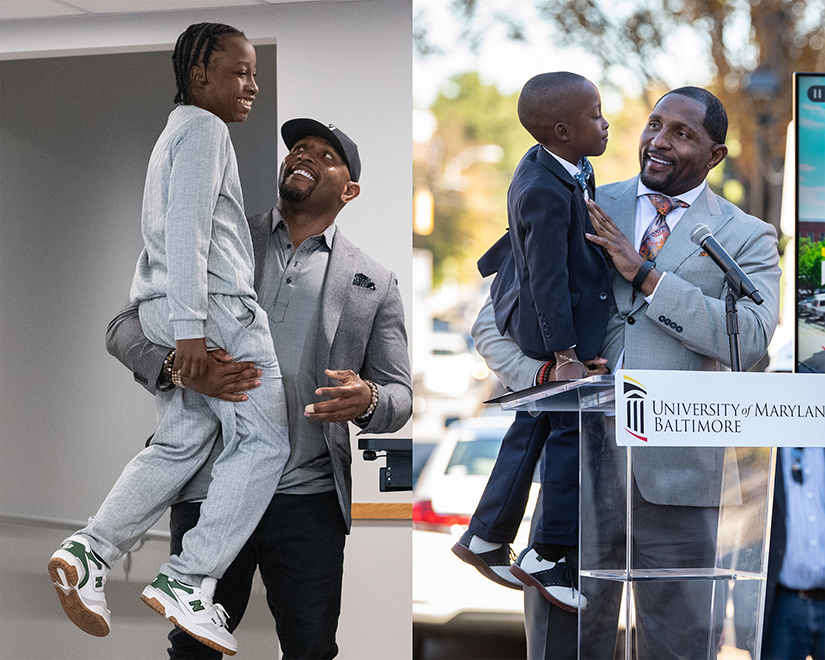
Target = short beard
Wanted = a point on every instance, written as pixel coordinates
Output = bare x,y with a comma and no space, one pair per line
292,194
656,184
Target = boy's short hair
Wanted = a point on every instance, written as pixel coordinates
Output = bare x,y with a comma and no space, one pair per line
547,99
716,119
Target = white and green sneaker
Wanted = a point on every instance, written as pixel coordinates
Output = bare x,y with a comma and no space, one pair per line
191,609
78,575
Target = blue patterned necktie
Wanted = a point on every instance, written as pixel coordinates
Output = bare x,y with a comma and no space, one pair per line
582,176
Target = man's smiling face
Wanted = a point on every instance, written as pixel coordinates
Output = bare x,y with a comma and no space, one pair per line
675,150
313,165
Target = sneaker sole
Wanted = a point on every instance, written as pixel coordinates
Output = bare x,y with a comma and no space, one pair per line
469,557
64,577
530,581
160,609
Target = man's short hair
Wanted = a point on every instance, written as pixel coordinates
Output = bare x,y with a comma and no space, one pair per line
547,99
716,119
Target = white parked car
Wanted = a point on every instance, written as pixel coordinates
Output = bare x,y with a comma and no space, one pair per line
450,596
815,305
451,369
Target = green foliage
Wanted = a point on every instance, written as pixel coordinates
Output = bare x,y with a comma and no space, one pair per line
809,269
471,212
471,113
750,49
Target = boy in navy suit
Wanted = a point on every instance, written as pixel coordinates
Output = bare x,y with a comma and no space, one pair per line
551,294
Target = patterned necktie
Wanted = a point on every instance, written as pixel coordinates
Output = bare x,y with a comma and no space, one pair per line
581,177
658,231
585,173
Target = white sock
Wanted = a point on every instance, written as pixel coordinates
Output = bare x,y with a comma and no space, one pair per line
479,545
208,585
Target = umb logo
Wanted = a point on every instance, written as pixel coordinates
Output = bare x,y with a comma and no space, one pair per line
634,396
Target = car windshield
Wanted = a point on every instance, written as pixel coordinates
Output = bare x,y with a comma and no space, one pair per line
476,456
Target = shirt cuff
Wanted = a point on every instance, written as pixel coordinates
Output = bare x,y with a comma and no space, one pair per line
189,329
649,299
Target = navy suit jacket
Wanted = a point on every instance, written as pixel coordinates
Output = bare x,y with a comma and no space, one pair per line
552,290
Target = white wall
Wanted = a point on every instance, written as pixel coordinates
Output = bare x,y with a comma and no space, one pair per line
70,415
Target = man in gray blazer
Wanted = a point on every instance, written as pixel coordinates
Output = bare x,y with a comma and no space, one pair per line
337,323
666,315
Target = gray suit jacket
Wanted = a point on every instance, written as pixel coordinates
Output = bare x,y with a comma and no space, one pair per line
691,294
362,329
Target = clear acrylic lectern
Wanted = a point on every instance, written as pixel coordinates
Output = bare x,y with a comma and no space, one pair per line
663,581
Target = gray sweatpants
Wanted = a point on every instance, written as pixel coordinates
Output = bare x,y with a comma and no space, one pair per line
245,475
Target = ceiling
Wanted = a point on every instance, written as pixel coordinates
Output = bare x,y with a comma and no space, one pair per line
32,9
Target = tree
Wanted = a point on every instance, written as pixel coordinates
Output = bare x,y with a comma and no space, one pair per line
751,47
809,268
477,146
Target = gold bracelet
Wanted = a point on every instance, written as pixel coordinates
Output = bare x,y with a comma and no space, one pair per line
563,360
177,381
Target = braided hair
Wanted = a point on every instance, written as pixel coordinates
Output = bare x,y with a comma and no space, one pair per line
195,46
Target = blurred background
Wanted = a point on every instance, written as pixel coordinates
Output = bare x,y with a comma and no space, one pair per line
471,58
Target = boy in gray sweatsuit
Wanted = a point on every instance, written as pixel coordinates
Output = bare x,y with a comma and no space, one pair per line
194,285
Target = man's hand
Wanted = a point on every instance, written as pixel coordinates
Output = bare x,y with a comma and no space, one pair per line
597,366
225,379
346,401
619,248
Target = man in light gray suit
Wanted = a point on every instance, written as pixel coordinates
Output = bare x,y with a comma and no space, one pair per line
337,322
668,313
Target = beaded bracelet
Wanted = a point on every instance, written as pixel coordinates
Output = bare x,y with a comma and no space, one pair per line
177,381
166,369
171,374
373,402
544,372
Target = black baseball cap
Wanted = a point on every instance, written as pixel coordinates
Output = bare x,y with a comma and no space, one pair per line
297,129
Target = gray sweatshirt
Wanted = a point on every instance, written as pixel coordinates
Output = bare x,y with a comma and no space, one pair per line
196,237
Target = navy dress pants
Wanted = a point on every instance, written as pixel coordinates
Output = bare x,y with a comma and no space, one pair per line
299,548
501,508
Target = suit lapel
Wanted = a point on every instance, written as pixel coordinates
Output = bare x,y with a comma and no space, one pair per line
619,201
678,246
337,281
552,164
260,227
557,169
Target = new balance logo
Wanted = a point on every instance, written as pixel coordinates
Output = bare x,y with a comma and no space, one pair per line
99,582
196,606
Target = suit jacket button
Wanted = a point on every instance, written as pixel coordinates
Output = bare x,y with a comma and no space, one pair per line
603,296
631,320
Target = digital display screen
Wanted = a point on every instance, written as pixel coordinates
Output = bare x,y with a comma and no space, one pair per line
809,126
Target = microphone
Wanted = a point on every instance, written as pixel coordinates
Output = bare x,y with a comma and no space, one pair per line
736,277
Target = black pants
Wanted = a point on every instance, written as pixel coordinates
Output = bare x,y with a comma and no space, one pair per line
500,511
299,548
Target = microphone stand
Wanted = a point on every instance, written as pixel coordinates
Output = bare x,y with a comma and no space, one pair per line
732,318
